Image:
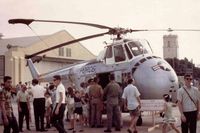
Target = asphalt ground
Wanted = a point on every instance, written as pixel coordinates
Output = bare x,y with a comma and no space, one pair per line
147,126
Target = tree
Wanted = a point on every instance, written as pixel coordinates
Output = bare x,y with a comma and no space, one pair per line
183,66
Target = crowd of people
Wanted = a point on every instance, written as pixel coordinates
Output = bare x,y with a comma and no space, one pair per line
86,104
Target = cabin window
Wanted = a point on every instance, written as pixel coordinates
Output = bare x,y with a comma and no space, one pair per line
61,52
68,52
136,48
109,52
130,56
119,53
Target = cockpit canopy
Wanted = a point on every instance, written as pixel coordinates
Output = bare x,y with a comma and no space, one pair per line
124,50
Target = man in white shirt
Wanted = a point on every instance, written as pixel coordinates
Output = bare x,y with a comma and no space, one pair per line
131,97
38,104
58,112
188,103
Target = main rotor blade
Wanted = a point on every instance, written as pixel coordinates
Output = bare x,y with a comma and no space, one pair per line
29,21
66,43
169,30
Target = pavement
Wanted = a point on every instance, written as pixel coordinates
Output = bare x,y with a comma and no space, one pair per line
148,125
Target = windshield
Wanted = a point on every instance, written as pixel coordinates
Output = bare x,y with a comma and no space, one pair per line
139,47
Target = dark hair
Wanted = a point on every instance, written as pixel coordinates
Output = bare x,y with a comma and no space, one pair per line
112,77
166,97
130,81
70,91
6,78
51,86
77,92
90,80
57,77
35,81
82,84
187,75
24,86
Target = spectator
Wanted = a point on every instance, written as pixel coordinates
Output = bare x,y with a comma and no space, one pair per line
23,107
78,102
168,116
58,112
9,119
132,102
70,106
96,97
112,92
37,92
48,108
188,103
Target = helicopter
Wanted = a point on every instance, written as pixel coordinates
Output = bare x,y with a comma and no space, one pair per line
123,57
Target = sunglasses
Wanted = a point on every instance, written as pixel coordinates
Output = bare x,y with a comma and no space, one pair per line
188,78
54,79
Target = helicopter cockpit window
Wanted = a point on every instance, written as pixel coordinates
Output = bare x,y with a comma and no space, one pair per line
136,48
130,56
119,53
109,52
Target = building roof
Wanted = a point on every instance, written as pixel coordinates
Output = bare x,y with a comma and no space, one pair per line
19,41
34,40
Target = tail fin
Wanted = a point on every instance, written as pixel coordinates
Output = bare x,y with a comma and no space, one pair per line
34,72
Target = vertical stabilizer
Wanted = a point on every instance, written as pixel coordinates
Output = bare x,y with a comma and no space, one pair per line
34,72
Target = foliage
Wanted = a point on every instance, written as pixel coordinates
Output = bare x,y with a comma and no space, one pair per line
183,66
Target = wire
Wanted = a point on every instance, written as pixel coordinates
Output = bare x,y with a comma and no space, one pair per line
40,38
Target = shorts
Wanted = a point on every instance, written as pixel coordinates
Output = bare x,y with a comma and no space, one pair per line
135,112
78,111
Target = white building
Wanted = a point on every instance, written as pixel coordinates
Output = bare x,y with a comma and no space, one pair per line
13,51
170,46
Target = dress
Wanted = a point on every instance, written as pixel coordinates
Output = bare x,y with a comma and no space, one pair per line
169,118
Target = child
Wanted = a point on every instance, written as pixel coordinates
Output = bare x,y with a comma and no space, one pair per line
70,106
168,117
85,113
78,102
48,108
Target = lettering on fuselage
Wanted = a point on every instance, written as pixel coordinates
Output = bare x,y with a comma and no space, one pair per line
88,70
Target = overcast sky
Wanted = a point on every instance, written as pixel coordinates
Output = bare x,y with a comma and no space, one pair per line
138,14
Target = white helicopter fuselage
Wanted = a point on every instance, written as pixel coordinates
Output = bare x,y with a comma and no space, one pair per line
125,58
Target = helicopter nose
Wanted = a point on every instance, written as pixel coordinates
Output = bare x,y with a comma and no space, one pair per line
154,80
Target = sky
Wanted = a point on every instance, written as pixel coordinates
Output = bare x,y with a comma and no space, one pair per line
134,14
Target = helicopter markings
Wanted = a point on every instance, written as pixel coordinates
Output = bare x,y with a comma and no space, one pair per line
88,70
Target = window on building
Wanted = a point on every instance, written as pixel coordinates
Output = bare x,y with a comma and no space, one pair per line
68,52
61,52
168,44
